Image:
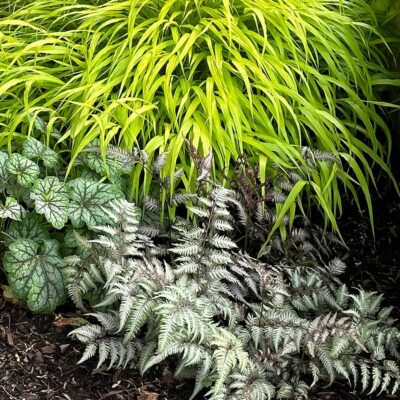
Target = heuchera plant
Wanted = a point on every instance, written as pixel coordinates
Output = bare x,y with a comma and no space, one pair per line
38,201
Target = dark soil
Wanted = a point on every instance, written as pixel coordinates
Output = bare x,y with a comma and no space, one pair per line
38,360
375,264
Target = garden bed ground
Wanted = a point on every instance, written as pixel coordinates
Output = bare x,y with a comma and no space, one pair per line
38,361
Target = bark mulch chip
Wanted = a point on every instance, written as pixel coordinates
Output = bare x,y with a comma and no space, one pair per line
38,361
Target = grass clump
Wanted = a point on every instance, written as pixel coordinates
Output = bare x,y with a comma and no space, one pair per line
265,78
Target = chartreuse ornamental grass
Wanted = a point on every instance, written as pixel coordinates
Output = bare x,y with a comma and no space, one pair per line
261,77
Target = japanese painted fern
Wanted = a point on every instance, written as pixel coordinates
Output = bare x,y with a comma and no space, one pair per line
255,331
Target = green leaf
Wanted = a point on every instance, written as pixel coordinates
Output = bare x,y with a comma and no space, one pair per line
11,209
35,150
51,199
25,170
90,175
4,174
113,167
41,126
29,228
34,273
38,122
20,193
32,149
251,81
50,159
291,199
87,199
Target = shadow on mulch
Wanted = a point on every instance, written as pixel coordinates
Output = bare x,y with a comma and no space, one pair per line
38,361
375,264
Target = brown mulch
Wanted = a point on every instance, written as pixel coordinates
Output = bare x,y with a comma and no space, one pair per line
38,361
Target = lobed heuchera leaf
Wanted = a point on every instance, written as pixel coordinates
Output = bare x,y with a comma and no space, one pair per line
29,228
116,167
25,170
51,199
21,193
11,209
50,159
35,150
87,198
90,175
32,149
34,273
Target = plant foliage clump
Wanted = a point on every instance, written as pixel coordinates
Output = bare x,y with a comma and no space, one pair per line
39,215
265,78
240,327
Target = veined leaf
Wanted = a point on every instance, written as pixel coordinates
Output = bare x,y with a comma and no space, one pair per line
4,174
32,149
35,150
112,166
34,273
50,159
11,209
51,199
87,198
25,170
30,227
